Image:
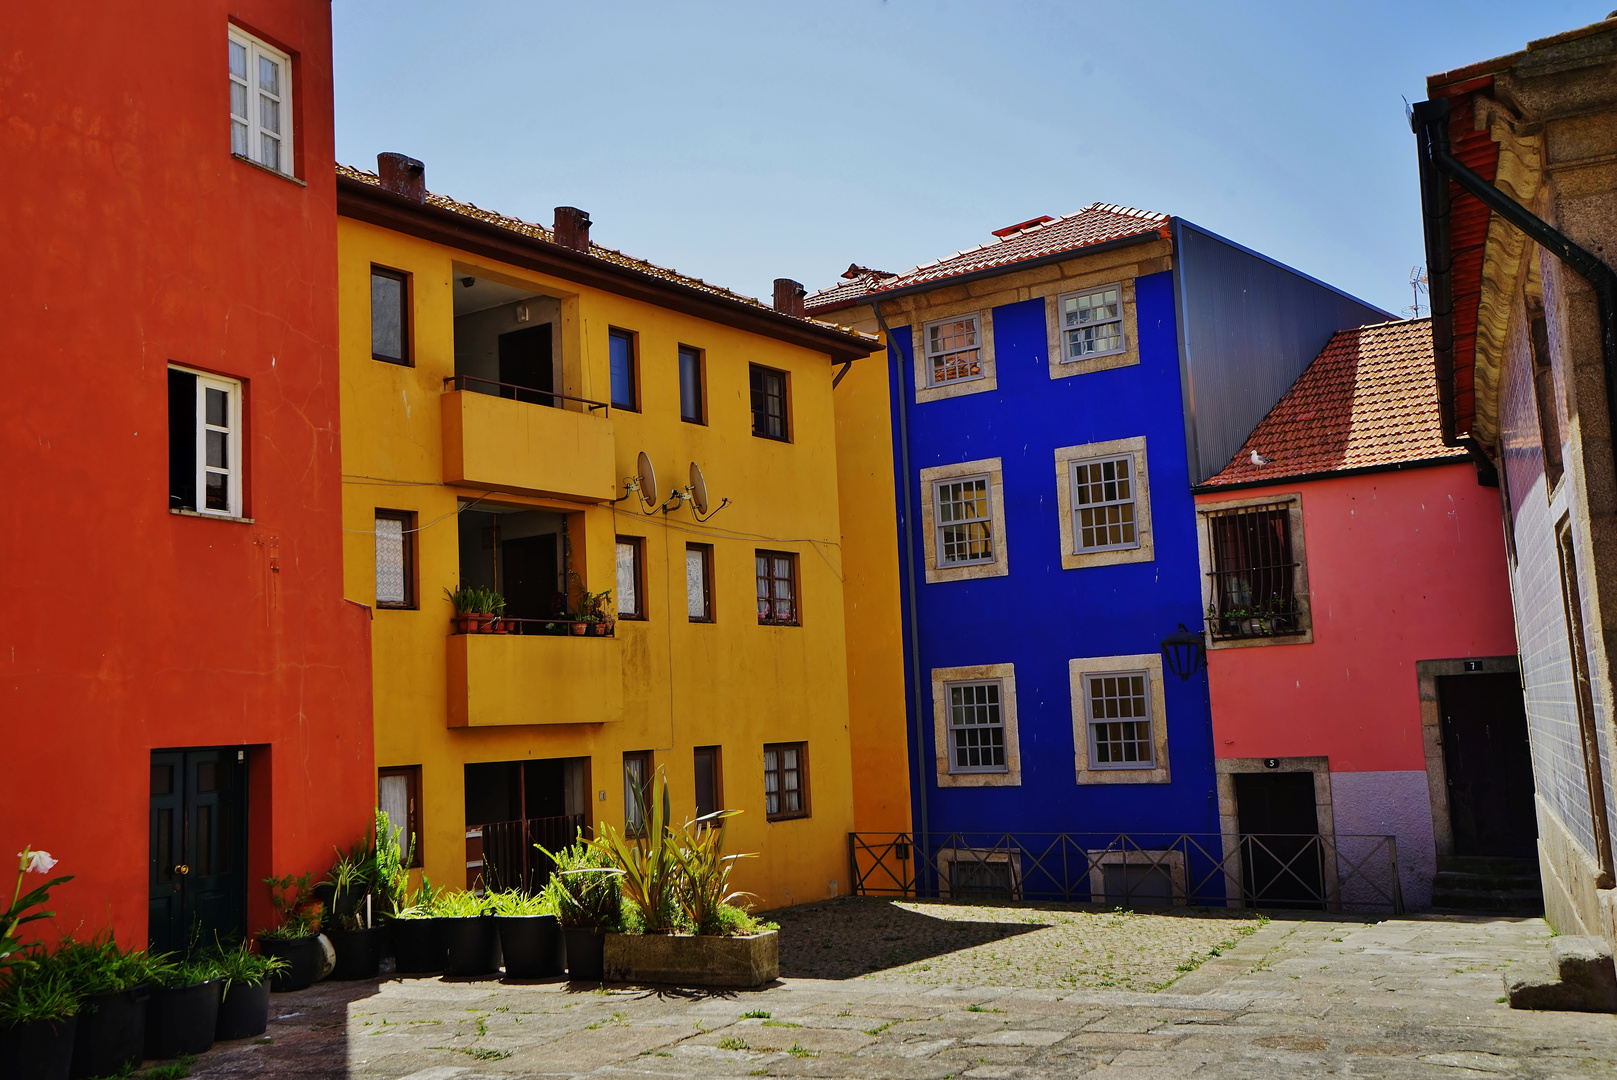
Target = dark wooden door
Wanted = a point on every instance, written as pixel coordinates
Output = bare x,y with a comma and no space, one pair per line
528,566
1489,766
1281,861
525,362
197,879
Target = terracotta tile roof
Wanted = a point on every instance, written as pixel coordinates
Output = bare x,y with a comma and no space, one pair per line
539,232
1037,238
1368,400
856,282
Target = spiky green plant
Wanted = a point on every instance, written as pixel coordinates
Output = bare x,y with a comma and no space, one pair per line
703,887
646,862
584,888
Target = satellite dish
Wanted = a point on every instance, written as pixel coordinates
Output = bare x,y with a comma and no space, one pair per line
648,481
698,489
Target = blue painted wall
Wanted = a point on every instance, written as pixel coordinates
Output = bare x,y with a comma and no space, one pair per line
1040,616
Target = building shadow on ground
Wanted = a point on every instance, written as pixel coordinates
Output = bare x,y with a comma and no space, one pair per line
843,939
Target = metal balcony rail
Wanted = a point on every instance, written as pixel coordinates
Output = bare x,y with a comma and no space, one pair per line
1334,873
499,624
509,859
522,393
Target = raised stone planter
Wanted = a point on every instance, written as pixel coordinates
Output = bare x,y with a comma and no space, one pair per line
685,960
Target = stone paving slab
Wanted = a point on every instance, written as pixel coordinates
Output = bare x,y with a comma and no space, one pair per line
1408,998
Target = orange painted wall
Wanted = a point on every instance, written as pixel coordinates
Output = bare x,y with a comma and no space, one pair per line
133,239
1402,566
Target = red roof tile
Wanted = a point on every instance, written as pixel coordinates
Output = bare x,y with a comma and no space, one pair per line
1368,400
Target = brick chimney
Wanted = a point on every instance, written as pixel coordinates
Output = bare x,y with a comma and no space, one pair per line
572,228
403,175
789,296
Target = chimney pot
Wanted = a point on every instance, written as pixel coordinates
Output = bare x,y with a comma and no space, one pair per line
403,175
572,228
789,296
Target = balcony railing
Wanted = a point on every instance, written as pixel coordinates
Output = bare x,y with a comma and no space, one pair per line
503,855
520,393
499,624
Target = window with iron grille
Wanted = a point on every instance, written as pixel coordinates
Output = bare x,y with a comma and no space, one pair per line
1254,575
1091,323
965,530
976,728
1103,504
777,588
1119,712
953,351
786,781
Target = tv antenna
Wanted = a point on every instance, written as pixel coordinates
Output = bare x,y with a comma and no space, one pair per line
1417,285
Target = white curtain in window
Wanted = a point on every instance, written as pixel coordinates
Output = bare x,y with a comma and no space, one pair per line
390,561
695,584
393,798
628,602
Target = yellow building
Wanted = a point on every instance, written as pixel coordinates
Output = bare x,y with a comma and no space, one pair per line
500,384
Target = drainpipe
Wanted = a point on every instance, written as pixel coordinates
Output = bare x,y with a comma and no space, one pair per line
1429,120
919,850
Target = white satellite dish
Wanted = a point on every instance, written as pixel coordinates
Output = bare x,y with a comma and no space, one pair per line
648,481
698,489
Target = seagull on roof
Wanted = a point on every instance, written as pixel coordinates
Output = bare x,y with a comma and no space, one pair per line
1259,459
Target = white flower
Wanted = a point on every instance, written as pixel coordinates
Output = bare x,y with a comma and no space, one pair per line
39,862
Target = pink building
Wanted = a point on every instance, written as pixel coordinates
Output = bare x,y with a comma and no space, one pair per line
1362,656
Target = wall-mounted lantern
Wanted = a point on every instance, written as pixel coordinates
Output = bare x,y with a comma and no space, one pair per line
1184,652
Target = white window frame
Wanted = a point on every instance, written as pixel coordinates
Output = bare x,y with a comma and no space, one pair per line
942,731
932,381
1088,771
998,723
1067,458
233,444
987,520
1063,329
252,121
931,534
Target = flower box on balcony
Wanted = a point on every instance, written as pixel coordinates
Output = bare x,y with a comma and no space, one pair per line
693,960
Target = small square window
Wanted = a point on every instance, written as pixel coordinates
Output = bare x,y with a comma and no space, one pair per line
398,795
205,445
786,781
1091,323
964,521
395,559
390,316
625,374
1103,504
1119,710
260,102
976,728
699,582
690,386
954,351
777,588
769,416
631,577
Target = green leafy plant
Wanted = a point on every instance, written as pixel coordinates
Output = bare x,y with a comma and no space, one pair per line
422,903
239,965
100,966
38,990
702,889
515,902
392,865
475,600
647,862
21,911
352,881
461,905
190,972
584,890
177,1069
297,914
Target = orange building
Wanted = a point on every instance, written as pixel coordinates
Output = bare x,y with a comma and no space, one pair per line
186,693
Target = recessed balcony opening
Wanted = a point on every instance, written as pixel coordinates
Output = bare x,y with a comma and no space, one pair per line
521,554
508,343
513,805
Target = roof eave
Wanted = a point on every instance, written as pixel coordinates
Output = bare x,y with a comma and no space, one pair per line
1210,488
378,206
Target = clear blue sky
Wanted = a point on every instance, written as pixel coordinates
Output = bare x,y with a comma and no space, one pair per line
741,142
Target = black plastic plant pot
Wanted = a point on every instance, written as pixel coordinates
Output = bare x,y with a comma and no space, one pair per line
181,1019
359,952
532,945
418,946
471,945
243,1011
111,1033
42,1049
302,953
586,953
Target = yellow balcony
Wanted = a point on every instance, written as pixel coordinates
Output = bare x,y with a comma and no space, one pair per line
500,444
497,680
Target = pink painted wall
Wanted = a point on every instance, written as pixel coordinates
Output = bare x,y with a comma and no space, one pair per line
1402,566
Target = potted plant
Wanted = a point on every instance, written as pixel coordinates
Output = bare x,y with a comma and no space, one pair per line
530,938
183,1012
418,944
471,939
586,895
296,936
353,930
599,605
244,996
477,609
113,987
38,1017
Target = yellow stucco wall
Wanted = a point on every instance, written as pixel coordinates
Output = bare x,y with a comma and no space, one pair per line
730,683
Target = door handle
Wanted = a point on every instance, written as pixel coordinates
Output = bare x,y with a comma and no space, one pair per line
182,869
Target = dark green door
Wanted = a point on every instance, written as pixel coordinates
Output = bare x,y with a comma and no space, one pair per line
198,867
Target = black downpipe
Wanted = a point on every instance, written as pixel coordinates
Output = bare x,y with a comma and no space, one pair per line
918,852
1429,119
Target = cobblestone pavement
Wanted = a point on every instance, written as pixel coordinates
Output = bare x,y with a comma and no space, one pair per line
1300,997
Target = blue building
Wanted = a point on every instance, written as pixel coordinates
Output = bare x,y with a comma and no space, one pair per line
1055,395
